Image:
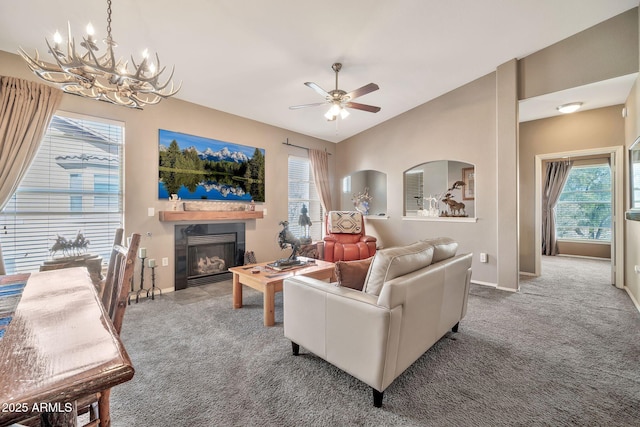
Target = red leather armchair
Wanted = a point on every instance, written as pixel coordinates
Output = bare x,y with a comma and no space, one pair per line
345,238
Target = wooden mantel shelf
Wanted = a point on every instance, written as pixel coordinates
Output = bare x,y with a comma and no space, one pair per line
208,215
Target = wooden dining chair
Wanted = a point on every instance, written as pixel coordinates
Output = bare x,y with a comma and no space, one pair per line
114,298
115,293
108,285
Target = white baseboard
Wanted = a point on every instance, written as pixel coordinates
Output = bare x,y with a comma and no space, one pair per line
493,285
490,285
158,292
584,257
633,299
526,273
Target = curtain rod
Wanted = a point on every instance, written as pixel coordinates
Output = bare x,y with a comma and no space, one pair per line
299,146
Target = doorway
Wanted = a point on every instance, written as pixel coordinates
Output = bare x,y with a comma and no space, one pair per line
615,154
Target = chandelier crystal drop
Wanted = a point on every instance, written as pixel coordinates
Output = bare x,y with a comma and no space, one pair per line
102,77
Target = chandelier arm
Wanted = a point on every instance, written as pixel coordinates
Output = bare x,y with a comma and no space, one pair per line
155,100
36,63
169,80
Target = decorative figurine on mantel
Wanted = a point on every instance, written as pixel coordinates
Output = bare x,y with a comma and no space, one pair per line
174,199
361,201
305,222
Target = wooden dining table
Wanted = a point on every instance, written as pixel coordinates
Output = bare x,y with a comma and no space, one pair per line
58,347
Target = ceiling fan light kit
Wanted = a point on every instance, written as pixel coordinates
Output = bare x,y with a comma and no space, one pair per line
339,100
102,77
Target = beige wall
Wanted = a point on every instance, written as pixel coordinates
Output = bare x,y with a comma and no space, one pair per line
460,125
632,228
464,125
141,164
603,127
604,51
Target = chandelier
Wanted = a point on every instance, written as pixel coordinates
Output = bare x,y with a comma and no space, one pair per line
102,77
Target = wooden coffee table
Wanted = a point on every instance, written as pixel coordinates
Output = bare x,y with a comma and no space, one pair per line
270,281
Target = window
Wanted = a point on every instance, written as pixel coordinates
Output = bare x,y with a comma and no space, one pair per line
74,185
413,202
584,209
302,191
106,190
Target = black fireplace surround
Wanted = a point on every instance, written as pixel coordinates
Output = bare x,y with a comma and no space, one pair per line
205,252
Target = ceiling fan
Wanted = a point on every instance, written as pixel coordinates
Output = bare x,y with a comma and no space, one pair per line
339,99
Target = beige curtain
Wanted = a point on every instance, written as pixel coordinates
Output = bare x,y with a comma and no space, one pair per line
556,176
26,108
320,166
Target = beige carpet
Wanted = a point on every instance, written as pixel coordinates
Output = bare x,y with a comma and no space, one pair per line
565,351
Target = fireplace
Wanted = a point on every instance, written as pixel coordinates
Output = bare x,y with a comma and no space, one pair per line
205,252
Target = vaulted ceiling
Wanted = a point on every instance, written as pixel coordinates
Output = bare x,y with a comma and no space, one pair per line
251,57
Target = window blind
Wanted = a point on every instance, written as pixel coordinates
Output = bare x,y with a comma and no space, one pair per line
302,190
73,185
583,211
413,192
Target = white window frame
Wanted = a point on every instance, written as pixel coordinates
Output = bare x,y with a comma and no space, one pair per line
311,199
560,202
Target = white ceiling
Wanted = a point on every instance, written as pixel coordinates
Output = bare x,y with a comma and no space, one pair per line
595,95
251,57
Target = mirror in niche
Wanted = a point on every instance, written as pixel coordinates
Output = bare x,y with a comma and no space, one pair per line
442,188
366,192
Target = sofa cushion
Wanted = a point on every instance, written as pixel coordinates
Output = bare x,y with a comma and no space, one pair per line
443,248
351,274
344,222
390,263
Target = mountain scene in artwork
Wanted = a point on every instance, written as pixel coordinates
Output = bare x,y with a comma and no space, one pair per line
208,169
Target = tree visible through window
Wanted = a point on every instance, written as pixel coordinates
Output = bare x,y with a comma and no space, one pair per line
302,191
584,209
73,185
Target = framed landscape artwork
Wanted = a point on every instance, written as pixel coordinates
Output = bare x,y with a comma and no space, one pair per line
197,168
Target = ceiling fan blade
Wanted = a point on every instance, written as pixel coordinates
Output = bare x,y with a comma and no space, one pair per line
363,107
318,89
363,90
315,104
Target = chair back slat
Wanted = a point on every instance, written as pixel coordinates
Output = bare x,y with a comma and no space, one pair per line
119,278
107,291
127,261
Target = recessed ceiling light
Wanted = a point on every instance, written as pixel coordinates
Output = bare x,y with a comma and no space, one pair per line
569,108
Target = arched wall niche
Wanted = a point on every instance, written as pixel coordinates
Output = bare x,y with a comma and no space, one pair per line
440,189
362,185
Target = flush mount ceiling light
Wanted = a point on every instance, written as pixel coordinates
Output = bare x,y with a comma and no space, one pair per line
102,78
569,108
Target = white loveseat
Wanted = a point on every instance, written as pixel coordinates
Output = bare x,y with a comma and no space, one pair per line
413,295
